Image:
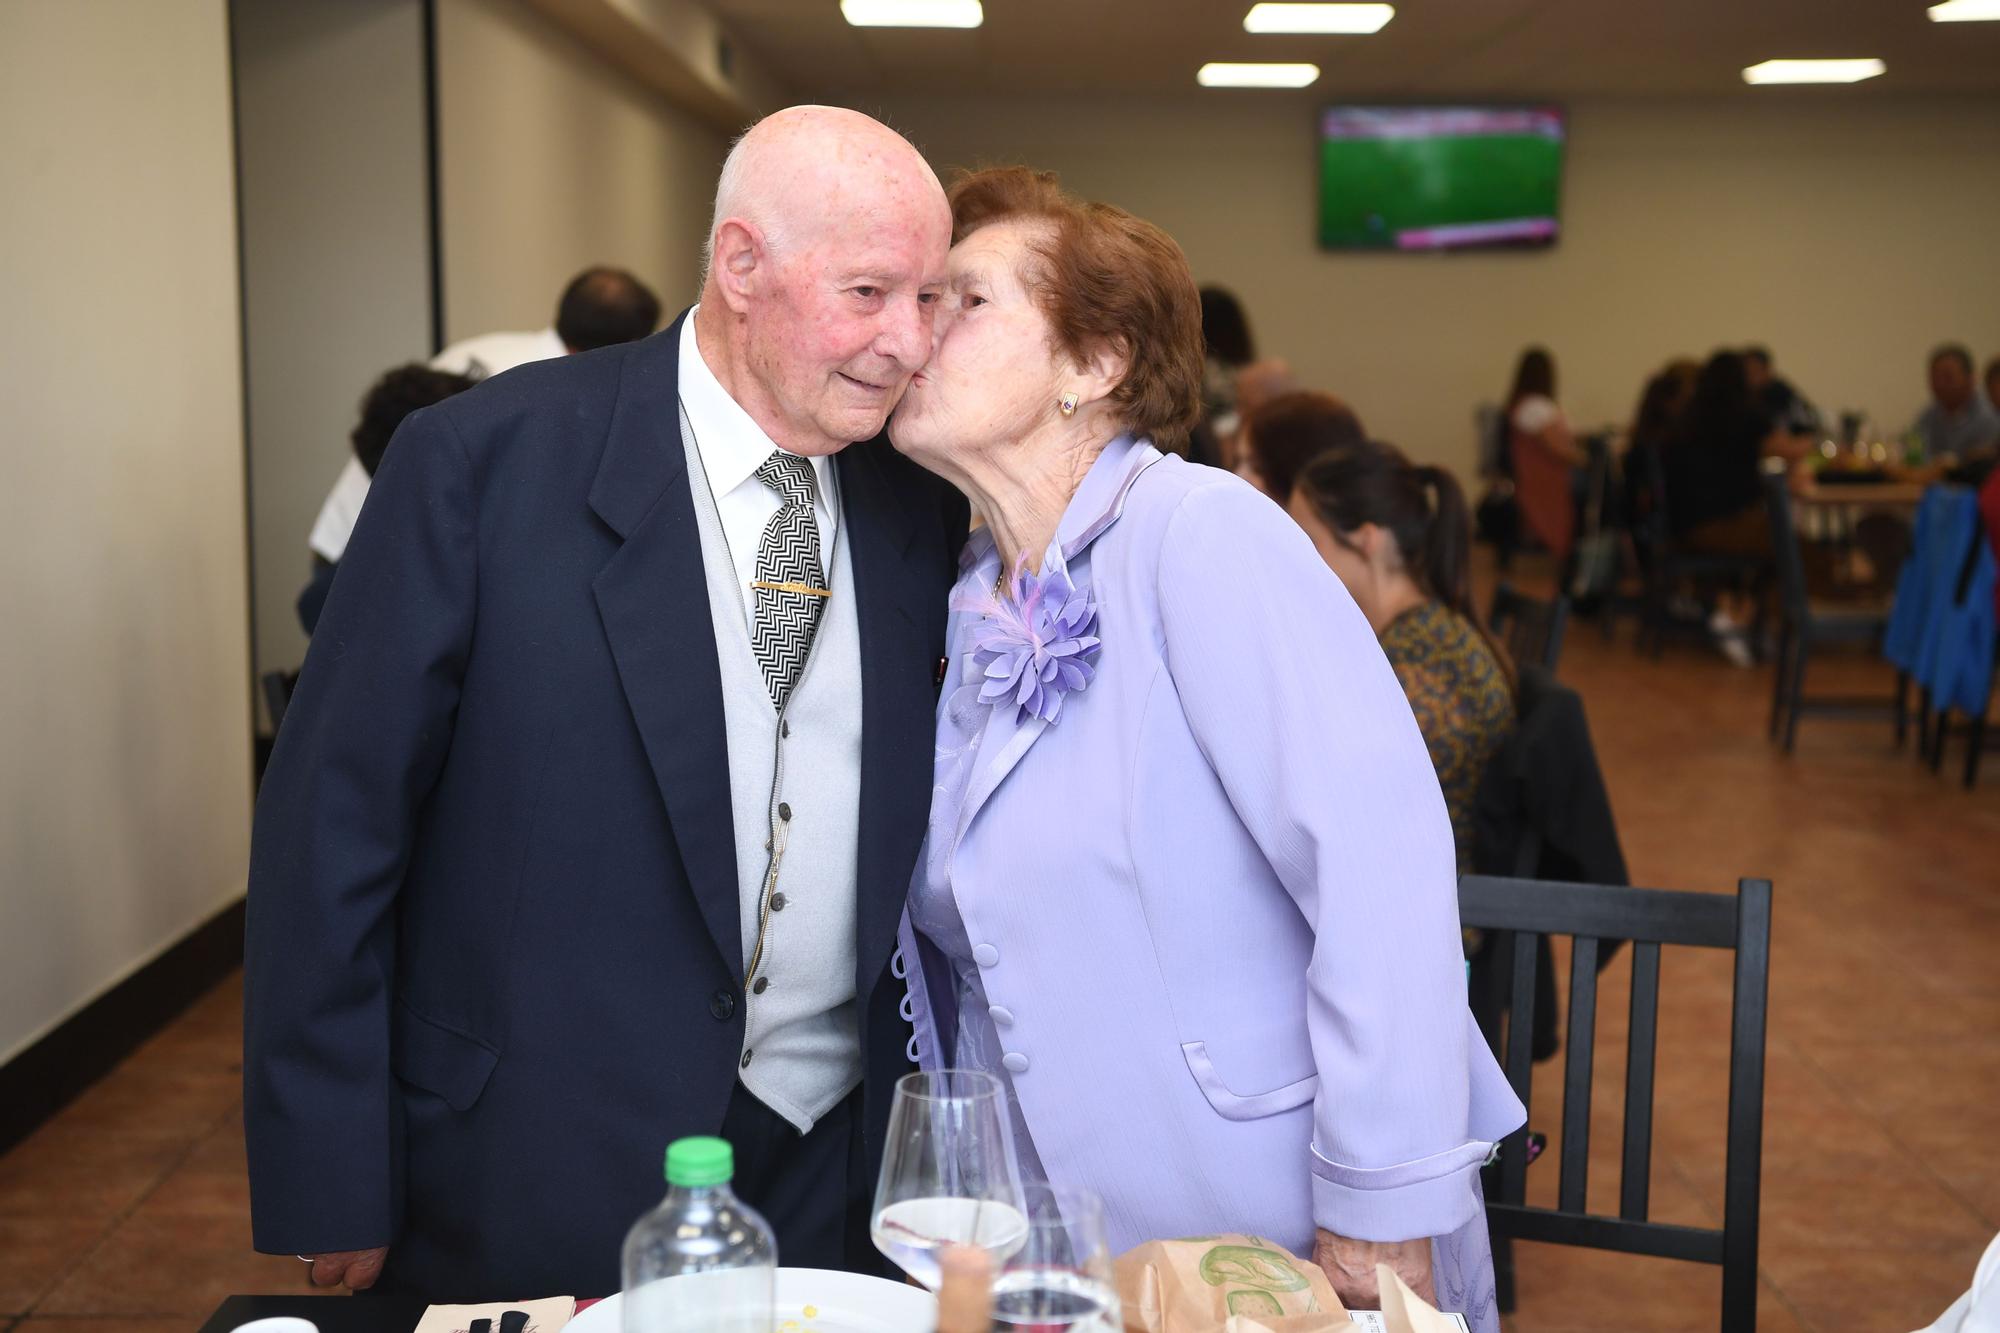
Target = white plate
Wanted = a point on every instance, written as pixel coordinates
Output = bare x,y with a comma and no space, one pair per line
840,1303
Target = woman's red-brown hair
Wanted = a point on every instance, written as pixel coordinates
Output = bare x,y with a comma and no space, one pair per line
1107,281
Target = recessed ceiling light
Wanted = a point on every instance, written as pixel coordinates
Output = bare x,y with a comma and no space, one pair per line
1221,74
1965,11
1286,17
1813,71
913,13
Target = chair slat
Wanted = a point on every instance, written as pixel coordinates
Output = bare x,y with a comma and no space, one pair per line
1704,919
1635,1177
1573,1187
1745,1154
1520,1063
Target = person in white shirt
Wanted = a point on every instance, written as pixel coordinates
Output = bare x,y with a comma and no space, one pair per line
600,307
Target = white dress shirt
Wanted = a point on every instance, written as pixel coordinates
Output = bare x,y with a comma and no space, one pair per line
732,448
487,354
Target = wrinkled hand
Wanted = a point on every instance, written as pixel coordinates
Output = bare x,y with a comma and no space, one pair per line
356,1269
1350,1266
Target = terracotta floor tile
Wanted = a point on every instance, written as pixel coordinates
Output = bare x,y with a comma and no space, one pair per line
1561,1289
64,1171
1860,1290
159,1263
35,1253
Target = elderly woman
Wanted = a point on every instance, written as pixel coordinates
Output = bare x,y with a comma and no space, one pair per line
1188,887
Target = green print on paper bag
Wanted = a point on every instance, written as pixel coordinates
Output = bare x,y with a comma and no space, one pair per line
1266,1270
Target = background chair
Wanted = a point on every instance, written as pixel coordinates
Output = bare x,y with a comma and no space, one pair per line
1526,912
1531,627
1672,571
1804,624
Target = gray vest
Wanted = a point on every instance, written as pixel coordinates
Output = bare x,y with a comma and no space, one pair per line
795,794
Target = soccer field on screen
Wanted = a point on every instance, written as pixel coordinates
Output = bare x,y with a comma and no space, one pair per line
1371,190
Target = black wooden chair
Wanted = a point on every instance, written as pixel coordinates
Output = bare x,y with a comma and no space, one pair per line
1804,624
1526,911
1673,571
1531,627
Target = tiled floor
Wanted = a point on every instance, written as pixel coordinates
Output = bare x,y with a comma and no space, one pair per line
1882,1164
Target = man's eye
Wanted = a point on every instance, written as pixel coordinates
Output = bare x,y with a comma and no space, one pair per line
866,292
927,298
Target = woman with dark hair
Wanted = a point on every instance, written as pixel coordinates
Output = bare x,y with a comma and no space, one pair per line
1288,432
1713,459
1543,452
1400,538
1227,349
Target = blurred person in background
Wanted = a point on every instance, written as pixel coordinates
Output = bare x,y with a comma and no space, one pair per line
1786,407
1399,536
393,397
1992,378
1661,403
1544,454
600,307
1228,347
1959,420
1285,434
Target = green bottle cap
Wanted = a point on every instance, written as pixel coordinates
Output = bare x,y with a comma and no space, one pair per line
696,1162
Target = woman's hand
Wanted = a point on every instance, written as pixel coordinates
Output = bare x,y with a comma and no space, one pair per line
1350,1266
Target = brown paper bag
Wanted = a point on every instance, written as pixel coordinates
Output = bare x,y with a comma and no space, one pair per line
1224,1282
1403,1311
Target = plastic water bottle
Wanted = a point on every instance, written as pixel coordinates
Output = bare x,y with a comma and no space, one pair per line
702,1262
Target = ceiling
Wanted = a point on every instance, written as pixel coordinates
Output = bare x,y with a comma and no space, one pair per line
1454,48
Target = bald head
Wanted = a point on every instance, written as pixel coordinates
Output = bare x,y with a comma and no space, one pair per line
799,170
825,261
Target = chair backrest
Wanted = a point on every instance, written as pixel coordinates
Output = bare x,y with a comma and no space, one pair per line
1531,627
1524,913
1785,546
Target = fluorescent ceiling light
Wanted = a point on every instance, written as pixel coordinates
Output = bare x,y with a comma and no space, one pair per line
913,13
1221,74
1813,71
1352,18
1965,11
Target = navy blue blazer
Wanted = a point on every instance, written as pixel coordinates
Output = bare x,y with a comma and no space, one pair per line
493,959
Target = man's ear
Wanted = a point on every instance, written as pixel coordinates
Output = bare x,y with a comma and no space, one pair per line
738,262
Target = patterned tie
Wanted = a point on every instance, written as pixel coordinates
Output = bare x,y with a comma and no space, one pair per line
790,587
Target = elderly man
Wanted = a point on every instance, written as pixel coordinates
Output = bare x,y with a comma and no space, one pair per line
592,819
1959,422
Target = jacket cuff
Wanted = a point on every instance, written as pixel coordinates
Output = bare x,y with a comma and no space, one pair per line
1432,1196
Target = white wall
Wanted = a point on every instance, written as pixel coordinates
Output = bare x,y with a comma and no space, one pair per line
1847,232
124,721
336,257
552,160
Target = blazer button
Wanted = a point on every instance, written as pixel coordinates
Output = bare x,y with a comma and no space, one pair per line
986,956
723,1005
1014,1062
1002,1017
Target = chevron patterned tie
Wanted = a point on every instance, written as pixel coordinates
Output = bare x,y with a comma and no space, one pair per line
791,583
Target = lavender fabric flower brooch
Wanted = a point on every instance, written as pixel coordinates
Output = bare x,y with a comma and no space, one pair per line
1037,644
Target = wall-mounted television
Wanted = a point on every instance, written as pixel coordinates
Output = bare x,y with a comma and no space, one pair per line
1417,178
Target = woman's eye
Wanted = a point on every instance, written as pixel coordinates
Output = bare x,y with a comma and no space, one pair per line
972,299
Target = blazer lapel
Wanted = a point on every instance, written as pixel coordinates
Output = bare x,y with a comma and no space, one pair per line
897,696
653,598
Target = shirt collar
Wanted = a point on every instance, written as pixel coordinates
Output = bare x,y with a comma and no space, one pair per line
733,446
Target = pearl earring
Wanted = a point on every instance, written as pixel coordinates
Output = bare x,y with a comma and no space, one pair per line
1068,404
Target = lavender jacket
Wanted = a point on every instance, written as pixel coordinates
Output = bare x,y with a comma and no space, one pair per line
1214,906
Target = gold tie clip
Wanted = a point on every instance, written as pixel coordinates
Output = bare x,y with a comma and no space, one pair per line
805,588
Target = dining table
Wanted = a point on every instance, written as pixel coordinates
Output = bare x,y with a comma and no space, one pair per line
370,1312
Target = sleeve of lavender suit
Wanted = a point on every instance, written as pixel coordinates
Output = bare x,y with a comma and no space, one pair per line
1298,712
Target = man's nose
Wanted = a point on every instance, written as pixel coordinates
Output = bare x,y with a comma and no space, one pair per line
906,332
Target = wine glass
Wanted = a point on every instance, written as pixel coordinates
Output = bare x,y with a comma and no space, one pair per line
949,1175
1059,1280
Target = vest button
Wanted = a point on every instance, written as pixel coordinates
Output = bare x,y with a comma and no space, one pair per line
784,812
778,902
723,1005
762,982
785,731
745,1063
